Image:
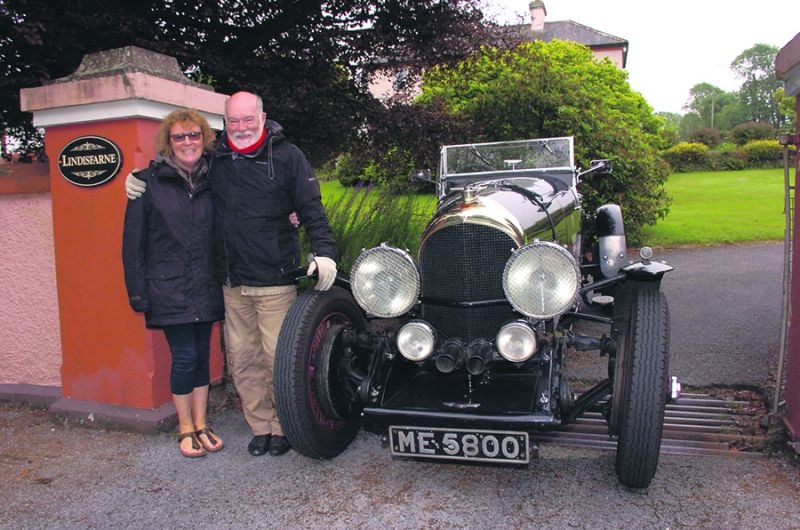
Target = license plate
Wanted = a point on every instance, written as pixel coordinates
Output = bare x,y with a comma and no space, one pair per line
510,447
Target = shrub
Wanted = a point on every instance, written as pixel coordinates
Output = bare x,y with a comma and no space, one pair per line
347,170
548,89
727,157
752,130
763,153
396,168
687,156
392,170
707,136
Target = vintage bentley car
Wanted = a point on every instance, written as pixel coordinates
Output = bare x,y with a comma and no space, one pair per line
460,352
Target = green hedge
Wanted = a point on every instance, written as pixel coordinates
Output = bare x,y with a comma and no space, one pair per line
763,153
688,156
695,156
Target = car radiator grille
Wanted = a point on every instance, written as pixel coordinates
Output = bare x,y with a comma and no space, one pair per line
464,263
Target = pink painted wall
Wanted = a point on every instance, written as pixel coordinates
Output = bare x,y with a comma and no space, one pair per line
615,55
30,336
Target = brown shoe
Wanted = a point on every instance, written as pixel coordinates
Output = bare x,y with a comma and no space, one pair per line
211,442
197,449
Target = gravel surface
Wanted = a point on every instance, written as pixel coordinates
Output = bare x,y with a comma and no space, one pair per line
60,476
725,315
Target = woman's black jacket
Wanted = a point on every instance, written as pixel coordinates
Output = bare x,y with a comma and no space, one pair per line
167,250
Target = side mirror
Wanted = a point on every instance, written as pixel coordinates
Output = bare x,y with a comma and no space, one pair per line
603,167
423,175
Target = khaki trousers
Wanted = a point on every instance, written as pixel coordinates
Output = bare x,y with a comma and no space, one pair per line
253,318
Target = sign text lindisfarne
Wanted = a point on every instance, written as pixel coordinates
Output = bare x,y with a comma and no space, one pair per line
87,160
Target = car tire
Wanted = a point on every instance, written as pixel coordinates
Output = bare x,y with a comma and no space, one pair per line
304,336
643,368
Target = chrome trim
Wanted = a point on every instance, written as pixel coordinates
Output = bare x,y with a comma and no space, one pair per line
675,388
482,211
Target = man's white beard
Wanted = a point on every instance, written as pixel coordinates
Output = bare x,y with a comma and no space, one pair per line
243,140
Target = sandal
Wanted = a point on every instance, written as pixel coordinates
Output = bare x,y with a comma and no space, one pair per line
214,442
199,449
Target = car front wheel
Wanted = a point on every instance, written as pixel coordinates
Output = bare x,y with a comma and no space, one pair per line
642,368
315,412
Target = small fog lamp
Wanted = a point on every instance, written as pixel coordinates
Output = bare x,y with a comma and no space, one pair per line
416,340
516,341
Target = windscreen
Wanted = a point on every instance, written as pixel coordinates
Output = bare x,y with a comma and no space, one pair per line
524,155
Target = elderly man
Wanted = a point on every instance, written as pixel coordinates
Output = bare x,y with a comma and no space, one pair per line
258,179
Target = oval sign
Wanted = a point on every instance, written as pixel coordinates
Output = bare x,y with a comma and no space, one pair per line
90,161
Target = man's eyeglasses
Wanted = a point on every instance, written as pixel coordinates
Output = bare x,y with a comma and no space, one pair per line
193,136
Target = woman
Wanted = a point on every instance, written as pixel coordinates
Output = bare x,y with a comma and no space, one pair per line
167,253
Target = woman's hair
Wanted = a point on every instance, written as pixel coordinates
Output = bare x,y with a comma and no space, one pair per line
179,116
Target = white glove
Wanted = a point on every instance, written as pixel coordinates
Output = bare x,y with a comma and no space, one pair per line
134,188
326,274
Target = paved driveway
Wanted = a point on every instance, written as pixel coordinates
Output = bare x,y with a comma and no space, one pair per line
66,477
725,306
725,312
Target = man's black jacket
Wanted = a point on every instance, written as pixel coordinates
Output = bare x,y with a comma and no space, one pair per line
253,197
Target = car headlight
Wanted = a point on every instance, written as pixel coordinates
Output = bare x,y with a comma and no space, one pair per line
541,280
416,340
516,341
385,281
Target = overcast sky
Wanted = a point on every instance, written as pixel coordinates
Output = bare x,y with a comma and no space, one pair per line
675,44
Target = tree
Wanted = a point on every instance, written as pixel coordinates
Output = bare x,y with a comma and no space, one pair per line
788,108
689,122
709,102
42,40
756,66
309,60
670,129
557,89
732,115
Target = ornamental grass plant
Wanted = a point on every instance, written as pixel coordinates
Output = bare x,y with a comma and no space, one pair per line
365,216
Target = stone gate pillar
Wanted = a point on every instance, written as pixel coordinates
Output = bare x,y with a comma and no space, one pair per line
787,68
99,124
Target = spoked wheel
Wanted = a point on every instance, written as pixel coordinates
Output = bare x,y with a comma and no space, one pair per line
318,411
640,389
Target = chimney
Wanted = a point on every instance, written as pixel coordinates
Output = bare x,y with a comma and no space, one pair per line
538,12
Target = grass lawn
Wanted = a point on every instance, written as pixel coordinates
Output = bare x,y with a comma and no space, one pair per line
710,208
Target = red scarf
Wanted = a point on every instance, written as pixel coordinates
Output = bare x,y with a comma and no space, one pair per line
250,148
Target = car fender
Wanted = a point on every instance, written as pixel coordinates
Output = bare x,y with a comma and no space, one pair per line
611,243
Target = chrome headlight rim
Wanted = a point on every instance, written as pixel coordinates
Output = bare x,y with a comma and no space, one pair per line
423,330
385,281
558,259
